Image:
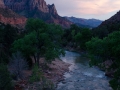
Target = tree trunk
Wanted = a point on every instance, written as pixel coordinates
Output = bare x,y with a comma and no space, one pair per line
35,58
38,59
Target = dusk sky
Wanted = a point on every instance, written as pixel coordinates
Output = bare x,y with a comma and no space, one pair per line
98,9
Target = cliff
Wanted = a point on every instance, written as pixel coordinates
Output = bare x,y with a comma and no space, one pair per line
37,9
7,16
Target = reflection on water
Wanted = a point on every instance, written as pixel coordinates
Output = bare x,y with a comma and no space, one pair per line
81,76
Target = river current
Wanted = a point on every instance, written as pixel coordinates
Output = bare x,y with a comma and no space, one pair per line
81,76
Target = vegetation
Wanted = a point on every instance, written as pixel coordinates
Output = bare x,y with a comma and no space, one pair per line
76,37
6,39
45,40
17,65
5,79
38,40
102,44
104,49
37,74
41,40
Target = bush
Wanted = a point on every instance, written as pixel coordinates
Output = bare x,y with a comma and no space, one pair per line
17,65
5,79
36,74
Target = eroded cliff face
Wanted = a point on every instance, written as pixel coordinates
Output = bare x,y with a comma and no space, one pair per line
37,9
20,5
52,9
7,16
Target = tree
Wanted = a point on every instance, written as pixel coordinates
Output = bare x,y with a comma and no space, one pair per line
82,37
6,39
18,65
104,49
5,79
41,40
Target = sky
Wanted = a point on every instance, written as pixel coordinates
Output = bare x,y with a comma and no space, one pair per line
98,9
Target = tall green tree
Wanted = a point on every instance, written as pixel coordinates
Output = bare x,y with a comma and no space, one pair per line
104,49
41,40
82,37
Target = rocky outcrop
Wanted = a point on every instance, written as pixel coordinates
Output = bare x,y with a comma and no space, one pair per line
37,9
7,16
52,9
20,5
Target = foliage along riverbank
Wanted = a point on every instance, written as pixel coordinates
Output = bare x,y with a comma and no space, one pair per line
103,51
51,76
17,47
46,40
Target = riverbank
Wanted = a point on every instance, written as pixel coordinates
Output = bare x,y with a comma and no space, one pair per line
58,68
54,74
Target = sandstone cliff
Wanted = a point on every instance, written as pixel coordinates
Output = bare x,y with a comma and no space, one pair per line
7,16
37,9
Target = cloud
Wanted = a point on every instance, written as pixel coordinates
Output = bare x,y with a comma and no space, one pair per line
87,8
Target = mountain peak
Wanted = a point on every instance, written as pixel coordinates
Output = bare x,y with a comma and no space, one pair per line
37,9
52,9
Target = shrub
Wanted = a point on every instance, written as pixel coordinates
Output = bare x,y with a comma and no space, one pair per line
5,79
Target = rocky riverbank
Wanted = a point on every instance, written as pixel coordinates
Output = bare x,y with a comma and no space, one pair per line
54,74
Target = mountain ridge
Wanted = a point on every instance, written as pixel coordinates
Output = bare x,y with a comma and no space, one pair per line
108,26
90,23
37,9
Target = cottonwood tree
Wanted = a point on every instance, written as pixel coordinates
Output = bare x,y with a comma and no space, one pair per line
41,40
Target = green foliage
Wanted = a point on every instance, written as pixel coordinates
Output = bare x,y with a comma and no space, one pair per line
106,28
76,37
104,49
41,40
7,35
100,32
5,79
115,82
35,25
37,74
82,37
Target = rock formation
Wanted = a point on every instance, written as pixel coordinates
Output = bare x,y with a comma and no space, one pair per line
7,16
37,9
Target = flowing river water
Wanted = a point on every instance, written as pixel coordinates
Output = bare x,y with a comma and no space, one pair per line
81,76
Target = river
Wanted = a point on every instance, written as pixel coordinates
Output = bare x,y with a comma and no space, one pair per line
81,76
